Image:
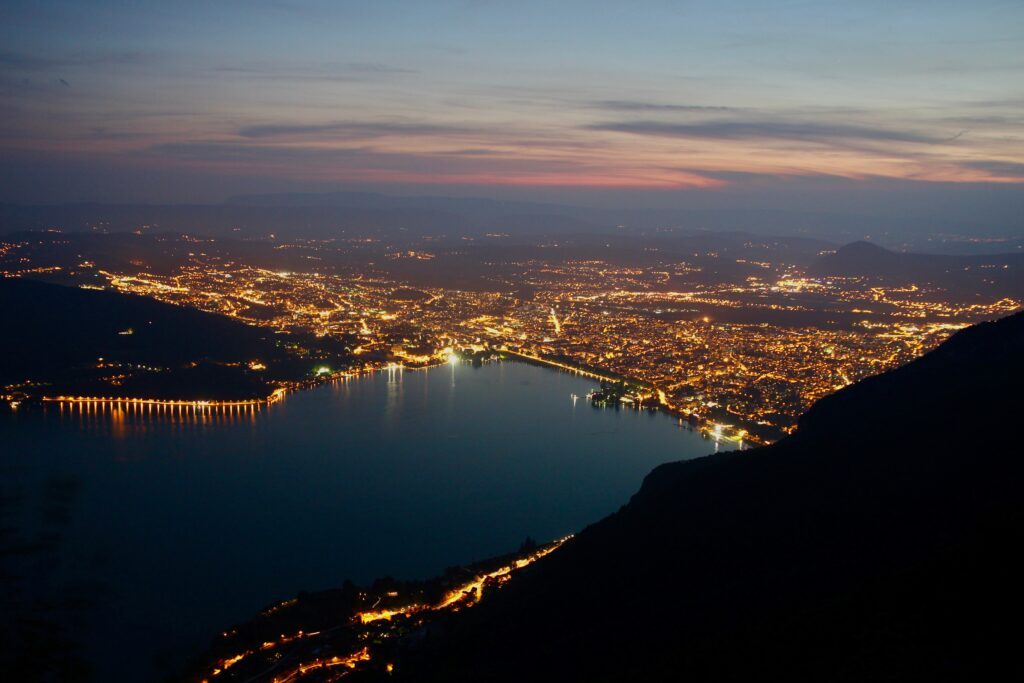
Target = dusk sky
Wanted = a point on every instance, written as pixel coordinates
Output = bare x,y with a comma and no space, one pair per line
196,101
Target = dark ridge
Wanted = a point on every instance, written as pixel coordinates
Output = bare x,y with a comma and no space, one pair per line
880,542
971,276
57,335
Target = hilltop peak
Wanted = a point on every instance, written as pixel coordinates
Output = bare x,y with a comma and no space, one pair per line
862,247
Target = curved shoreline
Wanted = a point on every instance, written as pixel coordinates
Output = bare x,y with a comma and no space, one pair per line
712,429
707,426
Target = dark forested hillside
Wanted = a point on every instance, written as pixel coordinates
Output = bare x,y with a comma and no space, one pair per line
67,340
880,542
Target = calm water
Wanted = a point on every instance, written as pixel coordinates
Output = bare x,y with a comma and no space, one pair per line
170,528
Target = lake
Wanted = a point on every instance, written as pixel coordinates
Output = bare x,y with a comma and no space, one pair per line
161,528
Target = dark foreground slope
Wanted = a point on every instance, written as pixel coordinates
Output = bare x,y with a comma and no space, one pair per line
66,340
879,542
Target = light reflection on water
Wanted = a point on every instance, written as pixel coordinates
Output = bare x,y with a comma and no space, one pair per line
188,519
119,420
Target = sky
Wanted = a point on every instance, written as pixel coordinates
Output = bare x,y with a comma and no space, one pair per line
661,103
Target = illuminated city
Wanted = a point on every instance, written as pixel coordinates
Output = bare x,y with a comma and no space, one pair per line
721,353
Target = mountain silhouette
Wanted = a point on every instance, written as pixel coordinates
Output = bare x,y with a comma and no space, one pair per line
974,277
64,340
879,542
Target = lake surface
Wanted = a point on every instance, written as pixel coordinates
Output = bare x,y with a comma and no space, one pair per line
164,528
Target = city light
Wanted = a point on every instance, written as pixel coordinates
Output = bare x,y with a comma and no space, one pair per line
678,342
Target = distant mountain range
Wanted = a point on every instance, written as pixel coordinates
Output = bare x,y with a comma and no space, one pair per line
968,274
335,214
879,542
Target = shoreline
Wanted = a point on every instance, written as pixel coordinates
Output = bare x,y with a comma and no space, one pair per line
274,397
352,627
707,427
